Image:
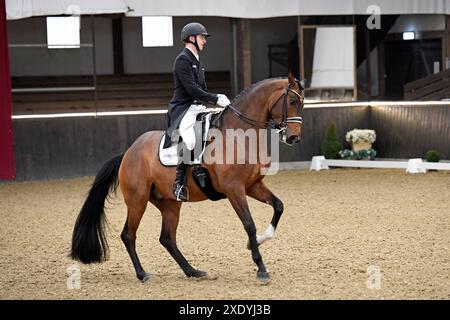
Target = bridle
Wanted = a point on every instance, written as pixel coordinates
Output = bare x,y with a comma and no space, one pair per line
281,126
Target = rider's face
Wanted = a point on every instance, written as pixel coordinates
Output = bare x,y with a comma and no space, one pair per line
201,41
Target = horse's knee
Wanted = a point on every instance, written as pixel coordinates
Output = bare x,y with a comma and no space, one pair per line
165,241
278,206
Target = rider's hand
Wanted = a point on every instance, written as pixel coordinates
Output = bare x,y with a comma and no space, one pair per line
222,100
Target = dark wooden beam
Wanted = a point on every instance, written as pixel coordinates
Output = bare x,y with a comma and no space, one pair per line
301,72
446,45
117,45
243,54
381,72
368,66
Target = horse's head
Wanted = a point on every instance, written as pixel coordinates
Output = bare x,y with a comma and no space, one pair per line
287,109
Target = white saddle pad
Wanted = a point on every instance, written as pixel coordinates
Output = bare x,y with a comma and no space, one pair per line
169,156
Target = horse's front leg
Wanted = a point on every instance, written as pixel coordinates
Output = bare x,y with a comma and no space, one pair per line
239,202
260,192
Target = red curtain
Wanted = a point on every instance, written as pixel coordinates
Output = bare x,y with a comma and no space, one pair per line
7,167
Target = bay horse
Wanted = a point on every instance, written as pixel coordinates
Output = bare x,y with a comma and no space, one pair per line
274,102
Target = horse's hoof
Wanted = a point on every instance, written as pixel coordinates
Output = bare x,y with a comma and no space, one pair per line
263,277
145,278
203,277
198,274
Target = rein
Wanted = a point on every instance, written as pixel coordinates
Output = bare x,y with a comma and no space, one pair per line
282,125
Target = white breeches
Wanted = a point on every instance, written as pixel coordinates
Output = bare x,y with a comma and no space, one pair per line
187,125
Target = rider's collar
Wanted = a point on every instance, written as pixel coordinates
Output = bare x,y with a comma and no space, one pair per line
195,54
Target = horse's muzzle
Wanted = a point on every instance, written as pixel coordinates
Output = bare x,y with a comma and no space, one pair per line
292,140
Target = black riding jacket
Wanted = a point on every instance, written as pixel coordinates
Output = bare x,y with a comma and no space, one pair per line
189,88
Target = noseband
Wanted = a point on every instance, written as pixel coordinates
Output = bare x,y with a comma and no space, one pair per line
281,126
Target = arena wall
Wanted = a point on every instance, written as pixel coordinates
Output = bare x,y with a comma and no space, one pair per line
409,131
72,147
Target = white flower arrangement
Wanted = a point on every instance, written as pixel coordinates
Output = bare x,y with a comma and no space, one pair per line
366,135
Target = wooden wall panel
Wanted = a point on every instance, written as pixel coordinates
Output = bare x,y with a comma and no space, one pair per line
73,147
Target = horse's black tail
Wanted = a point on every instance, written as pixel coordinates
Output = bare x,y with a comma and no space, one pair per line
88,240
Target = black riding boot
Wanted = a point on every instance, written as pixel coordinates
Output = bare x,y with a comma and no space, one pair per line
179,187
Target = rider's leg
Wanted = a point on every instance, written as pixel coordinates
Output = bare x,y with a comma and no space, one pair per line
187,133
179,186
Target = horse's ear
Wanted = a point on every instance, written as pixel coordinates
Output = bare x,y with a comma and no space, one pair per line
302,84
293,82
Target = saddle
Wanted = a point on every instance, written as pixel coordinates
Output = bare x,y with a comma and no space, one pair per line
169,156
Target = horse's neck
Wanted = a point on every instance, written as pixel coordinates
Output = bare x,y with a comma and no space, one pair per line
254,106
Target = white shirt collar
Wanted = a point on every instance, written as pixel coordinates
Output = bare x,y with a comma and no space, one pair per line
195,54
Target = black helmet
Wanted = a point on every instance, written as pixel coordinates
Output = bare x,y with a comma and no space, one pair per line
193,29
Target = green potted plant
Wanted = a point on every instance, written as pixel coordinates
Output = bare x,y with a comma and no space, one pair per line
331,146
432,155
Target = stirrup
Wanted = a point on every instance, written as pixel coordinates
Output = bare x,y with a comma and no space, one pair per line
180,192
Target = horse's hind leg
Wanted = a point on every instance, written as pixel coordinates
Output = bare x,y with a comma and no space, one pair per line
128,237
170,211
260,192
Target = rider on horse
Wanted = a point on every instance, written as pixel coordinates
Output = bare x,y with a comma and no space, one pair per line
190,92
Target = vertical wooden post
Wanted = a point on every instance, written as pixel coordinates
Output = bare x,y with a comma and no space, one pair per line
94,64
446,43
117,46
243,54
355,65
381,72
301,50
234,77
368,65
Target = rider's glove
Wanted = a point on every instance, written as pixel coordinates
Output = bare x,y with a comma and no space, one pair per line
222,100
